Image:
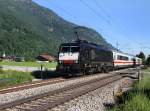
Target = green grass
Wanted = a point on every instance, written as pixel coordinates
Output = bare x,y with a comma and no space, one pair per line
29,64
8,78
139,102
139,98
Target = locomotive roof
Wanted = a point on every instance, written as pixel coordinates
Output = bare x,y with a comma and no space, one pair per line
100,47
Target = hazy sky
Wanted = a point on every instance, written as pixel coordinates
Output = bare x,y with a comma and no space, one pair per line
126,22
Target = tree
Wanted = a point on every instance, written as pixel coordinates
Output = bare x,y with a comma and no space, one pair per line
148,60
142,56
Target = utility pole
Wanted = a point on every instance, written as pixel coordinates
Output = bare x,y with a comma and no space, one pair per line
41,70
117,46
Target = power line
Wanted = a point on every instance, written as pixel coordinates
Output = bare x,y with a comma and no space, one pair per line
67,13
108,16
111,19
71,16
94,11
77,18
101,8
107,19
74,17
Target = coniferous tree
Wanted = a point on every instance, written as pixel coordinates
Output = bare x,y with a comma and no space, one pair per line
148,60
142,56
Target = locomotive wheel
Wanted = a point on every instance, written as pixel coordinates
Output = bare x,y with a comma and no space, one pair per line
95,70
99,69
89,71
105,69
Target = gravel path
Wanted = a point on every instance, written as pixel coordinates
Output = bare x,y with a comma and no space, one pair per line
24,68
9,97
95,100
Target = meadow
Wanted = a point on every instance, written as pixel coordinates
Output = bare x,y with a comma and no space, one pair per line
29,64
137,99
9,78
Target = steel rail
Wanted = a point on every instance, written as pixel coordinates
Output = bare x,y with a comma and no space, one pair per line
76,90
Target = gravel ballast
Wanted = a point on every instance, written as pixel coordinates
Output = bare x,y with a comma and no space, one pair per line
13,96
95,100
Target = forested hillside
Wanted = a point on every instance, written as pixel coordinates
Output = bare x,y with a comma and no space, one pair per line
27,29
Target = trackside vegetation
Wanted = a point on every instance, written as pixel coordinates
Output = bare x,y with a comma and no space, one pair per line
8,78
139,98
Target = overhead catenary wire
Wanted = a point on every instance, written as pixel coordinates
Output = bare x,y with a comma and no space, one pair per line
70,15
113,22
105,16
94,11
103,10
108,16
77,18
67,13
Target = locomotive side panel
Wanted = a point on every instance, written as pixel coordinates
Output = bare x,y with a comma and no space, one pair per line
99,59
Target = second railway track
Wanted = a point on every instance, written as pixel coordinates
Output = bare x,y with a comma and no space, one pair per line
31,85
37,84
53,98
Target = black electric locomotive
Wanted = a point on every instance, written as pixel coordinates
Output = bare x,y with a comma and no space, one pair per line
84,57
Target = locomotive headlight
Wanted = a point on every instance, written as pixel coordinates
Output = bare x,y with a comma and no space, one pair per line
76,61
60,61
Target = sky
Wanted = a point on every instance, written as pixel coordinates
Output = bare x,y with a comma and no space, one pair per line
123,23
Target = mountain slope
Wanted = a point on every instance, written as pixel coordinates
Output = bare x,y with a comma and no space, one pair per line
27,29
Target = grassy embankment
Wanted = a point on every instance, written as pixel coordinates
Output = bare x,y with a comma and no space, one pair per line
8,78
139,98
29,64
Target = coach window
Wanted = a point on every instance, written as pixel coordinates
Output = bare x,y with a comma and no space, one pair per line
126,58
114,57
122,58
119,57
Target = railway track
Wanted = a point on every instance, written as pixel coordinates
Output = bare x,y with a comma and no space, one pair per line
53,98
31,85
41,83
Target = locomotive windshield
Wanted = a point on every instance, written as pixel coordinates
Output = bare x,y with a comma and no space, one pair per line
69,49
65,49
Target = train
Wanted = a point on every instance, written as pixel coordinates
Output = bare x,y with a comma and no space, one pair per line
88,58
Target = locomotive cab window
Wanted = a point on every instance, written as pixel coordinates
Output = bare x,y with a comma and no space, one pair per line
74,49
69,49
65,49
